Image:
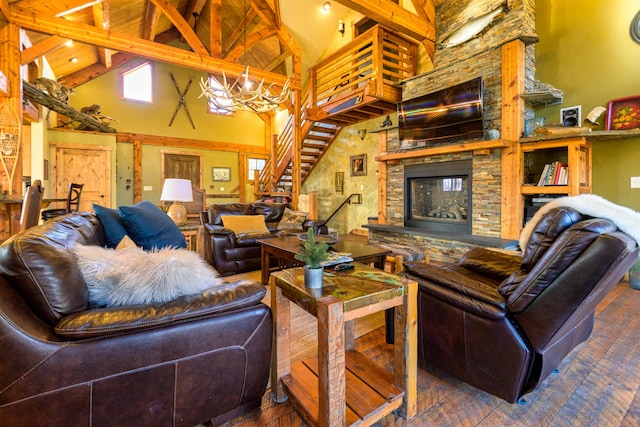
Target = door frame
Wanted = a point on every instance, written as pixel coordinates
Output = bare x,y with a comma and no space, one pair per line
53,173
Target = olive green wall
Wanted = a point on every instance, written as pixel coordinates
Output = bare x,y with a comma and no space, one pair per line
337,159
153,119
586,51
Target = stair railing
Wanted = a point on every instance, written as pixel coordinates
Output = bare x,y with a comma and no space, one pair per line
348,201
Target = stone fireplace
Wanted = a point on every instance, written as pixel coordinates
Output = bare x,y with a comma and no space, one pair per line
480,57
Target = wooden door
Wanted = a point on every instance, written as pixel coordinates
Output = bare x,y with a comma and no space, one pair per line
83,164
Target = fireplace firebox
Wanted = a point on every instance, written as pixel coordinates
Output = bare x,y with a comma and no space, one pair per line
438,196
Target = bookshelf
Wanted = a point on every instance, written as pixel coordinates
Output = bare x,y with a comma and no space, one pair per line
574,153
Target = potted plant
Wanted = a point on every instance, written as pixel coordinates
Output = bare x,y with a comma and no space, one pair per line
313,254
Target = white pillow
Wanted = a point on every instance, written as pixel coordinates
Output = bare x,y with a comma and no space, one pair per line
132,276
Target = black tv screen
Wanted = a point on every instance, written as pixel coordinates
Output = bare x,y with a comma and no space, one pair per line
448,115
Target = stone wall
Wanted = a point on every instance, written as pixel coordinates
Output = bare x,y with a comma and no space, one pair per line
480,56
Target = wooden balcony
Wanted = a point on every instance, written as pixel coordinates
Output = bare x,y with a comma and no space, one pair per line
361,80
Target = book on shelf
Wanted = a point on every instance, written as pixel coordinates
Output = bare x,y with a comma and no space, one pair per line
554,173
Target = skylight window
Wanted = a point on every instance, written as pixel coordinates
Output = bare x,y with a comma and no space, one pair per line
137,84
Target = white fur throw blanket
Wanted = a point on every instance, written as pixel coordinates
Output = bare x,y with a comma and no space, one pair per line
626,219
132,276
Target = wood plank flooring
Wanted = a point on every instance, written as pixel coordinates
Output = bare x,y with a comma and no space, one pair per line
597,384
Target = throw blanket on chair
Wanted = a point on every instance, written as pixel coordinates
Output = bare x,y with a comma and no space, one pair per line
626,219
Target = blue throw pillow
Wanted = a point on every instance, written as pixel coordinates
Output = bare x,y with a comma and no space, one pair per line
151,228
114,230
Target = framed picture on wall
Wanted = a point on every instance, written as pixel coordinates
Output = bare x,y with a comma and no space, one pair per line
359,165
221,174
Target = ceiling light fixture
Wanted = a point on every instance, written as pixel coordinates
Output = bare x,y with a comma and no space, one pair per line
326,7
73,59
240,95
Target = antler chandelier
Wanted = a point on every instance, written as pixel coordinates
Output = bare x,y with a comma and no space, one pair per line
241,95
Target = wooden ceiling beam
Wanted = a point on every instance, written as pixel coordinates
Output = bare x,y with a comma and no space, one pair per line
117,60
393,16
47,45
251,41
269,11
215,28
4,10
144,48
239,30
181,24
151,21
102,19
277,61
194,6
426,9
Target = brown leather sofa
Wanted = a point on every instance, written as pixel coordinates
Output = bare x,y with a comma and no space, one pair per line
184,362
232,253
504,322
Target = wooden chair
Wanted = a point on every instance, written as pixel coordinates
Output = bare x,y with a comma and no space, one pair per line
199,203
73,203
31,205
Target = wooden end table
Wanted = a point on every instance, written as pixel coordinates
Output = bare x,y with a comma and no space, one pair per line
321,386
285,248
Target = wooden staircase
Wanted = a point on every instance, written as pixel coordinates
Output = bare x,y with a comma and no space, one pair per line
357,83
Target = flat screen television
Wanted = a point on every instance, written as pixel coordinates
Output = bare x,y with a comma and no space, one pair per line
448,115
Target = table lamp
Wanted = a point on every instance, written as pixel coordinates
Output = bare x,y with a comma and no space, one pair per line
177,191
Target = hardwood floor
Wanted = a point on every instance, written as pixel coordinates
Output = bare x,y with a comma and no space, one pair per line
598,383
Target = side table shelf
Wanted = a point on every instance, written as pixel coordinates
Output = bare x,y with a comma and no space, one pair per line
369,389
340,386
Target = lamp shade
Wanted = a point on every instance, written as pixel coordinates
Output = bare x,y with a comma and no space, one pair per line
176,190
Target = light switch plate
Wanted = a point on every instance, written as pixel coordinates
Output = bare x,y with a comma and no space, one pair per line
147,188
635,182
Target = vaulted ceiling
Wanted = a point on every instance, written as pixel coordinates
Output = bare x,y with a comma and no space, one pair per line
208,35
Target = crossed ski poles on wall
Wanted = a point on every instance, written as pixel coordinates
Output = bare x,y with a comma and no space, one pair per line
181,102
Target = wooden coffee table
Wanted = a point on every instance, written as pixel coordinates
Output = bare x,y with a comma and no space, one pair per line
340,386
286,247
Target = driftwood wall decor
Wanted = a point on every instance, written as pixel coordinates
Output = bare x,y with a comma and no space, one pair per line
44,99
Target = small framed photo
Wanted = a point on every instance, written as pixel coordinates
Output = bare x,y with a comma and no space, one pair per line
359,165
221,174
623,113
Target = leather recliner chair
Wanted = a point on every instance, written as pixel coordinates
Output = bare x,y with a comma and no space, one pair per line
503,322
183,362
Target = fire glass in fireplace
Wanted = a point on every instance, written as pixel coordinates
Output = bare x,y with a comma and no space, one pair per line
438,196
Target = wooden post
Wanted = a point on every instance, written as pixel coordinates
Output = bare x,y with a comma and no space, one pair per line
137,171
406,350
512,202
382,179
332,388
281,359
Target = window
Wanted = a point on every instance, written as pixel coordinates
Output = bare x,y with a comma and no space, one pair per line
222,99
255,165
137,84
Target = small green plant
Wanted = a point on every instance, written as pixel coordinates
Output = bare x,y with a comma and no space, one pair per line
312,253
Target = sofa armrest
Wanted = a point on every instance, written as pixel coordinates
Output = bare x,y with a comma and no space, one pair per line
493,263
458,286
217,229
126,319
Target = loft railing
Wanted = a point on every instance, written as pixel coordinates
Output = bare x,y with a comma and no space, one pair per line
376,59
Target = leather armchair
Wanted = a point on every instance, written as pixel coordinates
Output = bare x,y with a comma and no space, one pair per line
232,253
184,362
503,322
